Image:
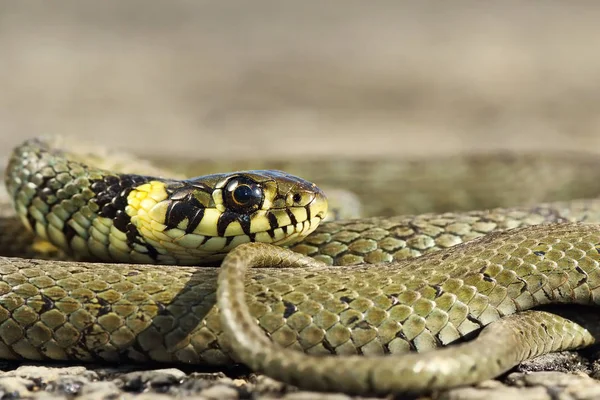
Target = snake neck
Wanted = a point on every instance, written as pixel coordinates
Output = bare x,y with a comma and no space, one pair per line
47,190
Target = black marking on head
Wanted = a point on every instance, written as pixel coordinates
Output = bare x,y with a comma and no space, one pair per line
224,220
273,222
111,197
292,217
184,205
539,253
228,217
195,220
245,223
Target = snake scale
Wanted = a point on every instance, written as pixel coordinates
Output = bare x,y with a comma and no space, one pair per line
372,291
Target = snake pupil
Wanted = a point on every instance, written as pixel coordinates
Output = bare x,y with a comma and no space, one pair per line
297,197
243,194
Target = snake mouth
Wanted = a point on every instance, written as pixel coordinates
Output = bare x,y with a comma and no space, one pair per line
293,233
214,248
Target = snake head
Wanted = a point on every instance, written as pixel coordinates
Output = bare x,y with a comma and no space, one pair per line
201,219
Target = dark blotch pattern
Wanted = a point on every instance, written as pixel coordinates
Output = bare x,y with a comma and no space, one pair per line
111,197
183,205
228,217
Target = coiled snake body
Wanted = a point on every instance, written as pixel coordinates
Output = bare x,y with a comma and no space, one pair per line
291,309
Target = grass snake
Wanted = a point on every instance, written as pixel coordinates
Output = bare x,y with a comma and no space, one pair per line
371,287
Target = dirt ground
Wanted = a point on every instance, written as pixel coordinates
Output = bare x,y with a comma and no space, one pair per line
278,79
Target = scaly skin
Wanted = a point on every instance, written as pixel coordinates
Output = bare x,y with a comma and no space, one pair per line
83,311
433,300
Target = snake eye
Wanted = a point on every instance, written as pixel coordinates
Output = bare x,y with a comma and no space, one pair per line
243,194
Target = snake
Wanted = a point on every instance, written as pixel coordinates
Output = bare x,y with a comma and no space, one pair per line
241,268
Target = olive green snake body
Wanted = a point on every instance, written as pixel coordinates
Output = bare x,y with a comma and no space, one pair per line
409,285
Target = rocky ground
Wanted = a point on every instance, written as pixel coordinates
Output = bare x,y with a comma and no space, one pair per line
559,376
270,79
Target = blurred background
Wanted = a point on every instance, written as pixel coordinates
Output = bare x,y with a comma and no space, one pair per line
272,78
